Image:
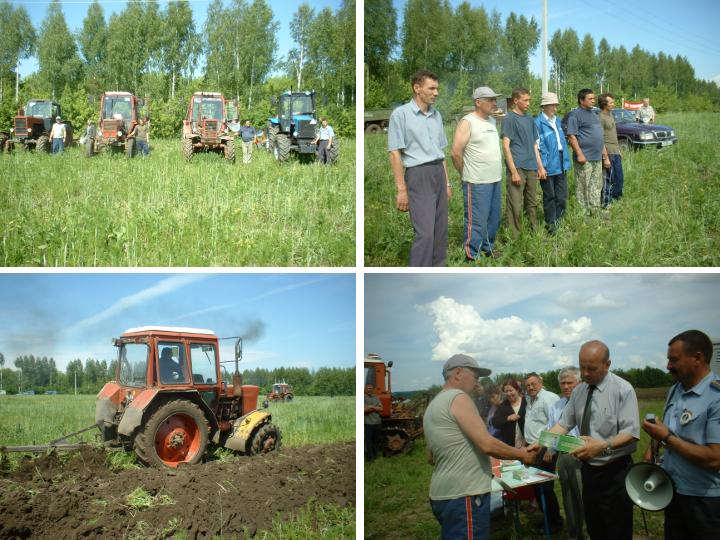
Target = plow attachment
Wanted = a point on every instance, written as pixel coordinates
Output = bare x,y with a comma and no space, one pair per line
57,444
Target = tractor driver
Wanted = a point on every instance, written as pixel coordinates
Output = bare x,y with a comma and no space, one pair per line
169,369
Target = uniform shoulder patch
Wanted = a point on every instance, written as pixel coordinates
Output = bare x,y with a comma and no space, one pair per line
716,385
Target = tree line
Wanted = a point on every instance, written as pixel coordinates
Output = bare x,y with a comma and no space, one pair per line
468,47
41,374
161,55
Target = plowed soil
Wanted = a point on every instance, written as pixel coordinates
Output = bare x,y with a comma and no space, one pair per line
80,497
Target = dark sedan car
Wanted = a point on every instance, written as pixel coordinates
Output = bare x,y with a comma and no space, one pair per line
632,134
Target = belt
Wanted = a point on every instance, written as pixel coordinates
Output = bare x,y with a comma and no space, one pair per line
428,164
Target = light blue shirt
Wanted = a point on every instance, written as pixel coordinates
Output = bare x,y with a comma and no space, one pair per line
694,416
419,136
537,412
326,133
554,417
613,410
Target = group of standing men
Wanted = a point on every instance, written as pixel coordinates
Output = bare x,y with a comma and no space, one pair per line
603,411
535,150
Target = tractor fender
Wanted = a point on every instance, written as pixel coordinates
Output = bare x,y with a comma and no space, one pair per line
242,430
148,400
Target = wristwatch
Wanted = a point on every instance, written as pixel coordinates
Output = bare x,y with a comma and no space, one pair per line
608,449
664,440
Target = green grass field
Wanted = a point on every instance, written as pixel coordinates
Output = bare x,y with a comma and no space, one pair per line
669,215
307,420
396,498
161,211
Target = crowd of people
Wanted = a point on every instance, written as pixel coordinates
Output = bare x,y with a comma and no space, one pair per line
535,150
467,423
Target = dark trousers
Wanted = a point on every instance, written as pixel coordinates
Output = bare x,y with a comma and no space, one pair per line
371,439
697,518
427,198
554,190
548,490
322,151
608,509
613,180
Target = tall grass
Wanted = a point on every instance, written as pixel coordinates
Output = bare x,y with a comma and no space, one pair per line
28,420
669,215
396,498
161,211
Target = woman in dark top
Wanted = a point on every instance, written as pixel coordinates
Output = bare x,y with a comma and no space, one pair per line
509,417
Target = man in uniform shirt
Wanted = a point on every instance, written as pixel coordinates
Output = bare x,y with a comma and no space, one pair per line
645,114
372,422
690,433
458,446
585,136
416,139
537,413
605,408
568,466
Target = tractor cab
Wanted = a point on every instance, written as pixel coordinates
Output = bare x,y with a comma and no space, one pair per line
118,114
295,125
169,400
377,374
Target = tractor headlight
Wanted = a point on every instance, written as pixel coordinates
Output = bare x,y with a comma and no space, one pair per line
295,133
119,133
12,130
647,136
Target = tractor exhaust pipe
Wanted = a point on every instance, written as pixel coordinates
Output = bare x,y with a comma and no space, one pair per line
237,378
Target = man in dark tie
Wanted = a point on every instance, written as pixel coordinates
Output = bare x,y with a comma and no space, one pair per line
605,408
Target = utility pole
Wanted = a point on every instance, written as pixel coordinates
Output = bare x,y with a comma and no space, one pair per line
544,49
76,380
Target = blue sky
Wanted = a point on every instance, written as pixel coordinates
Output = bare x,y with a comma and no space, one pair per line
685,28
76,10
308,319
509,322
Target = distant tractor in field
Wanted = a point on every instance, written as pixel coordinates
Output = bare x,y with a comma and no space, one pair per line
118,116
31,127
401,418
295,127
169,399
281,392
205,128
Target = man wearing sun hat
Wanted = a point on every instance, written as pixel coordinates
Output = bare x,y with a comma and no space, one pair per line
459,448
476,156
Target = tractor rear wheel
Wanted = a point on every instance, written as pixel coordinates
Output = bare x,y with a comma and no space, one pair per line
177,432
282,147
230,150
43,144
272,133
266,439
373,128
288,397
187,149
333,151
130,148
397,441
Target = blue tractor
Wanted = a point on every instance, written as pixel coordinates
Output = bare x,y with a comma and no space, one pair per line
295,126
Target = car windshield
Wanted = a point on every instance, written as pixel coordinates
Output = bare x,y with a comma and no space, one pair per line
210,108
118,108
39,109
622,116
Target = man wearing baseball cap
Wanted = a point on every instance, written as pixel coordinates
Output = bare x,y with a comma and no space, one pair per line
460,447
57,136
476,156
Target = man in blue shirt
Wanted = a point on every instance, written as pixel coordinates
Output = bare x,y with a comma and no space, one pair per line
324,141
416,139
690,433
585,135
247,134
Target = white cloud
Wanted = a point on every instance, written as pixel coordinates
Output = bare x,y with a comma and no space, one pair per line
621,344
576,300
637,360
161,288
507,343
716,79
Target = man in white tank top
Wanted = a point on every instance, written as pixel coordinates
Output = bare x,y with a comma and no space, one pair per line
476,156
459,447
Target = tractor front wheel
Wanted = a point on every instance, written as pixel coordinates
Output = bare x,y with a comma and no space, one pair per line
333,151
175,433
282,147
266,439
288,397
89,147
272,133
43,144
187,149
230,150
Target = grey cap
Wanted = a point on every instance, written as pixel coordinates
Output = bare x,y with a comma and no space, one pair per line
463,360
484,92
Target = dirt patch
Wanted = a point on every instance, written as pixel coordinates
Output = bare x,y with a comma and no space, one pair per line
79,497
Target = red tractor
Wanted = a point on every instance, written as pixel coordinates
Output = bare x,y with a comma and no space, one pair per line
281,392
118,116
205,127
170,399
401,418
32,125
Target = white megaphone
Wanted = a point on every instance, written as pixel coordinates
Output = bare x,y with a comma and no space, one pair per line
649,486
